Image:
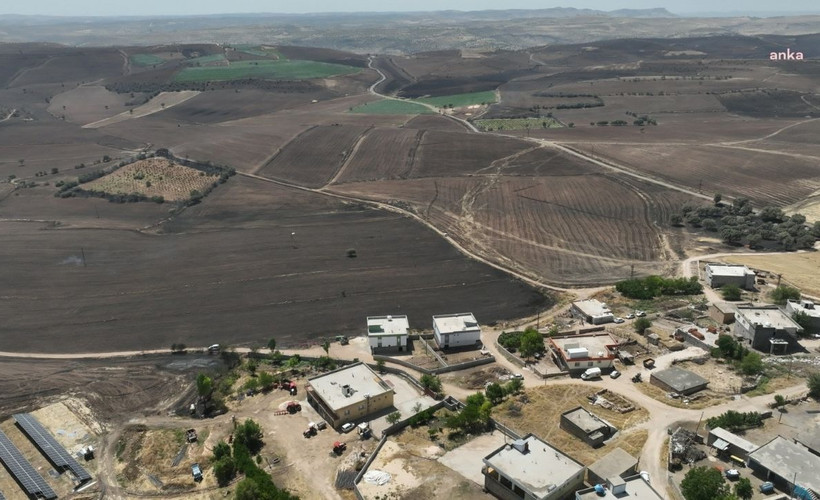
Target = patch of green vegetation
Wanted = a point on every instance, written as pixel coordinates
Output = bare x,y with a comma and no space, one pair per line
145,59
516,123
282,70
653,286
120,449
391,107
207,59
460,100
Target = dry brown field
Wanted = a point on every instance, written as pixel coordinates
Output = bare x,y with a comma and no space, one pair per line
800,269
87,103
234,260
767,179
435,122
312,158
382,154
153,177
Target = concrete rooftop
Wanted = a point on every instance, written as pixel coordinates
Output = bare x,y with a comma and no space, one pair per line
361,379
613,463
538,469
786,458
452,323
768,315
636,487
595,344
387,325
729,270
592,307
678,379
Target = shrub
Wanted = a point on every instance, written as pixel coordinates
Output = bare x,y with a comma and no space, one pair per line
730,292
784,293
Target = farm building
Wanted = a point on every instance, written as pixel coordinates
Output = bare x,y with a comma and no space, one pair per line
729,444
722,312
387,333
678,380
592,311
530,468
456,330
808,308
718,275
787,465
616,463
348,394
616,487
587,426
705,338
766,328
579,352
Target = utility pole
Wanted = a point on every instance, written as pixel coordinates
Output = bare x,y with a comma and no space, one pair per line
632,271
699,420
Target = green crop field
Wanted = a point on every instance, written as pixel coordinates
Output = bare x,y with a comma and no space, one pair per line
516,123
392,107
207,59
460,100
256,50
280,70
145,59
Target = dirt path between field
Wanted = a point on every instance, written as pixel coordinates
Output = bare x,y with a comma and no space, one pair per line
11,113
159,103
769,136
126,63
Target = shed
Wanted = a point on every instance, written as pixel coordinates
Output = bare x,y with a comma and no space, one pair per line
615,463
678,380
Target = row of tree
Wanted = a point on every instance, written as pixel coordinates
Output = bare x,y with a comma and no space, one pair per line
653,286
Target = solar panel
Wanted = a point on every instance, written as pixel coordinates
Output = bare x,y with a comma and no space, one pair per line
21,469
48,445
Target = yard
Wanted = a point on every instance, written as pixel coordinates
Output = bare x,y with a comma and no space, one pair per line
539,410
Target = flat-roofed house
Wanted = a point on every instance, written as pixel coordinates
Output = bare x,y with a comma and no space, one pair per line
348,394
766,328
718,275
387,333
456,330
532,469
592,311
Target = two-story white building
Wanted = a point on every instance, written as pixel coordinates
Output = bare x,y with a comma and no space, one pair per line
387,333
456,330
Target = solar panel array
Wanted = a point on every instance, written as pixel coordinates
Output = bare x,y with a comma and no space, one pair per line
48,445
21,469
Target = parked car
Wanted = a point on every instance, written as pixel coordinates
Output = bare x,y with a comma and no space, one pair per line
591,373
517,376
348,427
196,471
732,474
630,316
640,314
619,320
614,374
767,487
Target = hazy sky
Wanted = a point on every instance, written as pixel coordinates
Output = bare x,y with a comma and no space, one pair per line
174,7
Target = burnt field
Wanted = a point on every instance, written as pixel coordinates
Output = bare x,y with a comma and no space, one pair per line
231,270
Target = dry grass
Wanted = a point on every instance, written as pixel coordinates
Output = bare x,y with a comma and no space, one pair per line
153,177
707,398
799,269
541,416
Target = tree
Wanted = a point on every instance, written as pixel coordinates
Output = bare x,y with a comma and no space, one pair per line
248,489
204,385
710,225
784,293
494,393
249,435
380,365
779,401
251,385
751,364
743,488
730,292
272,344
641,324
266,381
431,382
394,417
474,417
514,386
224,470
326,347
717,198
531,342
814,385
676,220
221,450
703,483
802,319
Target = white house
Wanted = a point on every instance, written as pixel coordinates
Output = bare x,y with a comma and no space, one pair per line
592,311
387,332
808,308
456,330
718,275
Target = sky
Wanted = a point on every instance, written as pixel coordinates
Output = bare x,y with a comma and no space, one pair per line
196,7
